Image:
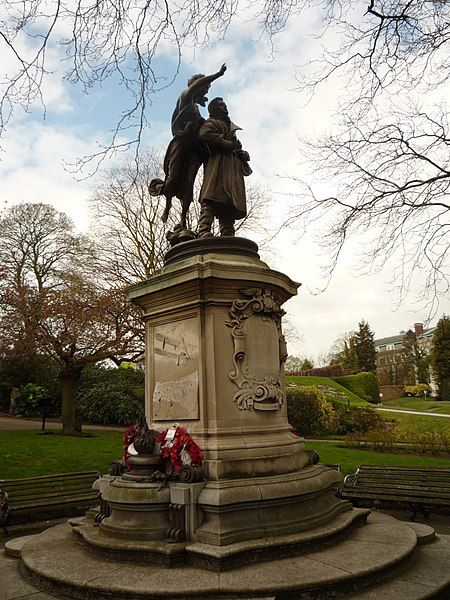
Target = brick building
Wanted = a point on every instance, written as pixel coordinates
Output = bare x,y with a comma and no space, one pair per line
393,367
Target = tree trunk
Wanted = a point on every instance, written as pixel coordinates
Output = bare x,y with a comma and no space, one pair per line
69,378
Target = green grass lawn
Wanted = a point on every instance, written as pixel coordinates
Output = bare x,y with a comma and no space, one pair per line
419,404
351,458
332,390
27,454
418,423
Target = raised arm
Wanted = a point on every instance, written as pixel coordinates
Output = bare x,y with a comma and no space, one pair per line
203,82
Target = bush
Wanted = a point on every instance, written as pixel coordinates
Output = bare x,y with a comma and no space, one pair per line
417,390
364,385
309,412
129,381
351,419
110,405
27,402
378,440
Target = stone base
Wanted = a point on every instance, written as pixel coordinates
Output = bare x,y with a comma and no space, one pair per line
139,511
222,519
378,561
261,507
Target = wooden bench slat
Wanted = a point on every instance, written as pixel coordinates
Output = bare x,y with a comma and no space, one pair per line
404,486
61,493
54,501
46,483
48,488
19,498
73,475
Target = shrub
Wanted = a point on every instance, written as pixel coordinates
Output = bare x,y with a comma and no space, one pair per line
377,440
349,419
364,385
130,381
27,402
417,390
309,412
109,404
429,442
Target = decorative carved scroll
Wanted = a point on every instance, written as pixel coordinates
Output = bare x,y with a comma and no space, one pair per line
254,393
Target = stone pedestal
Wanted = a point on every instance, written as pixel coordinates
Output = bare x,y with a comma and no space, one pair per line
215,352
214,356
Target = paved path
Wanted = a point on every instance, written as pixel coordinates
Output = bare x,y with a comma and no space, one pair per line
413,412
8,423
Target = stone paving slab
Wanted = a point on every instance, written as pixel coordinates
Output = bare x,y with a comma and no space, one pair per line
13,586
426,577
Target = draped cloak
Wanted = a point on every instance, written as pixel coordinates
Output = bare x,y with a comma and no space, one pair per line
223,181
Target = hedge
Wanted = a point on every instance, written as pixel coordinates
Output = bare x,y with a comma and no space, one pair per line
364,385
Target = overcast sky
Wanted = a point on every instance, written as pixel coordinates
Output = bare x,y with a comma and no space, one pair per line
259,89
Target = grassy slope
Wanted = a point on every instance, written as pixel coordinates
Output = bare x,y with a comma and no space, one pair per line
351,458
341,391
418,423
419,404
27,454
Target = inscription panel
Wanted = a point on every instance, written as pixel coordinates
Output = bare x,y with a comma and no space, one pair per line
262,347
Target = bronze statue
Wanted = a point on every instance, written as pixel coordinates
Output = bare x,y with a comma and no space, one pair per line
185,153
223,190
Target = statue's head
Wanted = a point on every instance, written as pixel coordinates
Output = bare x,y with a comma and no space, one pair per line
194,78
217,108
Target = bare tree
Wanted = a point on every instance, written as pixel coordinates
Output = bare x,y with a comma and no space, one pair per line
129,230
388,157
38,244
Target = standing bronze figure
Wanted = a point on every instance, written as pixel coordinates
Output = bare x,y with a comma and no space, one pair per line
223,190
184,154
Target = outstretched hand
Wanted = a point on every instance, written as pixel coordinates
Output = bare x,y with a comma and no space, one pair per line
223,68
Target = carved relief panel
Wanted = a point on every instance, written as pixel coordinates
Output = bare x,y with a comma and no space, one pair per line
259,350
176,366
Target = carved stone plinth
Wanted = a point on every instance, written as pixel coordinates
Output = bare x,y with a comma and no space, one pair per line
215,351
215,354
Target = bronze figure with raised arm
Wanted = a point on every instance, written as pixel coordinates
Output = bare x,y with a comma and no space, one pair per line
185,152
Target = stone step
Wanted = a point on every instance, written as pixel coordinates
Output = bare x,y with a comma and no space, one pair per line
57,563
426,577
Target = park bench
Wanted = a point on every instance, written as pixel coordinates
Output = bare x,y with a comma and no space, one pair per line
49,496
411,488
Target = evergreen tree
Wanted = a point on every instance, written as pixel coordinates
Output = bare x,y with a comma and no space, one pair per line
440,356
365,348
415,360
306,364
